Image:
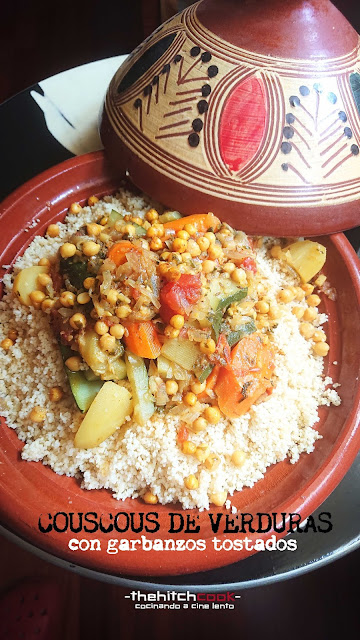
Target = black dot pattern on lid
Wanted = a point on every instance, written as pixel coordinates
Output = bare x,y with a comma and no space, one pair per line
348,132
355,149
294,101
177,58
332,97
147,90
206,56
318,87
155,80
197,125
205,90
286,147
213,70
166,68
194,140
288,132
137,103
290,118
195,51
304,90
285,166
342,116
202,106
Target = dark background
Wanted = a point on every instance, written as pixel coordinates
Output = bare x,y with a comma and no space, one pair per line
37,40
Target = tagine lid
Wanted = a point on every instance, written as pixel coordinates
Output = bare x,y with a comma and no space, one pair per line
249,109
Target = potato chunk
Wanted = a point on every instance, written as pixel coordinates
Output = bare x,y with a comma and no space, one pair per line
26,282
106,414
306,257
106,366
182,352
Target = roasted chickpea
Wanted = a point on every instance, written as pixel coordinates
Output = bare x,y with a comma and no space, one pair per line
67,250
55,394
150,498
208,266
53,230
177,321
191,482
313,300
212,415
78,321
75,208
101,328
67,299
190,399
321,348
37,414
172,387
90,248
117,330
74,363
83,298
107,342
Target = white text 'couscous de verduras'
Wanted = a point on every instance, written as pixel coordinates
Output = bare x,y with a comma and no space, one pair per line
167,357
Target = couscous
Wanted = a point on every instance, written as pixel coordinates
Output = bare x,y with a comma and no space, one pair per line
168,357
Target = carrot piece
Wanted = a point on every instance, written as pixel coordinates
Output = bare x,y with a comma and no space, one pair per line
117,253
142,339
201,221
246,378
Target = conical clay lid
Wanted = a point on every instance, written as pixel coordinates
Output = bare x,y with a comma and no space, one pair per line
249,109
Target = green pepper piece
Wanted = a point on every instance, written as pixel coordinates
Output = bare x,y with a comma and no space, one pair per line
83,390
221,308
114,217
235,336
169,216
74,270
205,373
139,230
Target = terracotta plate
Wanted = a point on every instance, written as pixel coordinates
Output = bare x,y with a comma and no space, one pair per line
30,489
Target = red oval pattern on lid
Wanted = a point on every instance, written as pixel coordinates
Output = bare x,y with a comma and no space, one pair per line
242,124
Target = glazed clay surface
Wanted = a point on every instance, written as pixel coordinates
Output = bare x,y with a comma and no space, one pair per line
248,109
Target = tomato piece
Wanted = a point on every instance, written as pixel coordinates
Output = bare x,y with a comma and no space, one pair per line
249,264
135,293
223,348
183,434
246,377
180,296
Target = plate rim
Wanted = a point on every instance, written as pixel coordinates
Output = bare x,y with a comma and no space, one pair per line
340,242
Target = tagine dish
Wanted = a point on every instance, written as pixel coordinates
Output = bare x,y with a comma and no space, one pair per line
164,357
